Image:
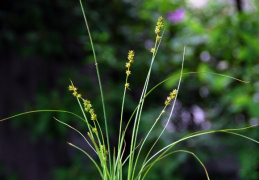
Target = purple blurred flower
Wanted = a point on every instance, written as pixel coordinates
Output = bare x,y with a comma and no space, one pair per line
176,16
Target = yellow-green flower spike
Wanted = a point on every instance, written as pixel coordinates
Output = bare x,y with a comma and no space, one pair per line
94,130
131,55
127,85
93,117
128,72
70,88
159,25
74,89
157,31
167,103
169,98
127,65
173,94
87,105
75,93
91,111
86,102
158,38
152,50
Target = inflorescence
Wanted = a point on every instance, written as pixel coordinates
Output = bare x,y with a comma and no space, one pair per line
170,97
128,64
87,104
158,28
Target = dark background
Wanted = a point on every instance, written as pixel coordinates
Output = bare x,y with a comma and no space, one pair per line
44,43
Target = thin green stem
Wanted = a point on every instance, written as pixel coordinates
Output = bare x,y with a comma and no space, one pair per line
98,168
120,171
77,132
36,111
100,155
199,134
139,111
160,83
172,109
100,131
185,151
99,81
147,137
119,141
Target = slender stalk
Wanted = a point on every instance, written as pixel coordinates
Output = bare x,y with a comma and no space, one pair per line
160,83
100,131
184,151
101,157
139,110
174,76
77,132
146,138
121,141
199,134
36,111
98,168
120,170
99,80
178,88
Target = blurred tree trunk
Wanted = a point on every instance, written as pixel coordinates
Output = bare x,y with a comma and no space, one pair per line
239,5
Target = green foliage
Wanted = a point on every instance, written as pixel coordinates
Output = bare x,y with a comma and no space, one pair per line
249,163
227,38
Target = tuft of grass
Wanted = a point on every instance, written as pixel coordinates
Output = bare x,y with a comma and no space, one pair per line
111,162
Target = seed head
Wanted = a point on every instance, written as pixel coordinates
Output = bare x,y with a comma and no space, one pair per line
91,111
71,88
75,93
131,52
157,31
87,105
159,25
128,65
128,72
94,130
173,94
93,117
167,103
86,102
127,85
158,38
131,55
170,97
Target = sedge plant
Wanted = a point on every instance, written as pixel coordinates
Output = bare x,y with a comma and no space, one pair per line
111,163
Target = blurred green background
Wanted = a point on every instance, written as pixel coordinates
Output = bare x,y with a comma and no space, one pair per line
44,43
